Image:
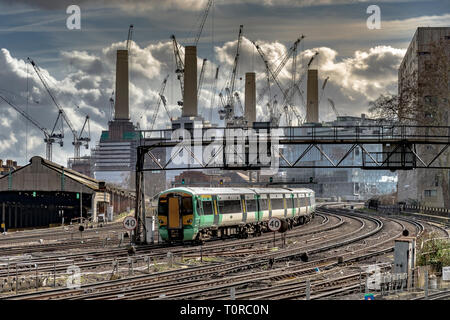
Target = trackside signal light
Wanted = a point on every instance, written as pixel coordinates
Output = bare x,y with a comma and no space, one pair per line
34,193
271,179
182,181
221,182
311,179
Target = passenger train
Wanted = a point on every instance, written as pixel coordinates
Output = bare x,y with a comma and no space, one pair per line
196,214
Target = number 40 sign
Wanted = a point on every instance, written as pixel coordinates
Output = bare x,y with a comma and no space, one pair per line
130,223
274,224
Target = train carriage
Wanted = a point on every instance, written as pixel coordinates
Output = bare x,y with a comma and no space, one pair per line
196,214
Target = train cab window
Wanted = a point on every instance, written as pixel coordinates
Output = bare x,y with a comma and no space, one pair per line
230,206
208,207
251,205
186,207
162,207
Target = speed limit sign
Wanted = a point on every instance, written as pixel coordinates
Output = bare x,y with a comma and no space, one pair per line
130,223
274,224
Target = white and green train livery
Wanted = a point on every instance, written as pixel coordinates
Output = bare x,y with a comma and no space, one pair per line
196,214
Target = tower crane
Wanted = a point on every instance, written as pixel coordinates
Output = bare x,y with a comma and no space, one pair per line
78,140
296,85
202,75
213,96
275,79
238,100
130,36
291,52
202,22
161,98
228,108
49,137
180,66
235,64
333,107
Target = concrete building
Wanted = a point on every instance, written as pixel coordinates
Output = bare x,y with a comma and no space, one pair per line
42,193
423,86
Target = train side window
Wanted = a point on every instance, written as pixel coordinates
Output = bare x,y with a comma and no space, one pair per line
207,207
290,202
277,204
251,205
303,202
230,206
264,204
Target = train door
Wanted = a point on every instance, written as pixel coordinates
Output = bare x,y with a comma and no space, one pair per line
174,213
216,211
244,209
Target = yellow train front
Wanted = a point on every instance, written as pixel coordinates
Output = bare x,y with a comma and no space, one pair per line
196,214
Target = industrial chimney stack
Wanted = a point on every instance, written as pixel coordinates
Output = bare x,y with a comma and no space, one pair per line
190,82
122,110
312,97
250,98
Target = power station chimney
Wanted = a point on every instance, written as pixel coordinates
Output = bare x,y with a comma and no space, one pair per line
122,109
190,82
312,97
250,98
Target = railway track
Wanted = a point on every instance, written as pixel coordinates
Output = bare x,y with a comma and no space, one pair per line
185,278
105,257
208,281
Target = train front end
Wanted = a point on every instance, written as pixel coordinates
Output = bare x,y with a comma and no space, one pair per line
177,217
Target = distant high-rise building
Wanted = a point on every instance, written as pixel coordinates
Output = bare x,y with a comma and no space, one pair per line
423,90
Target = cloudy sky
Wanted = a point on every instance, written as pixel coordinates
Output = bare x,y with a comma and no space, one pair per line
79,65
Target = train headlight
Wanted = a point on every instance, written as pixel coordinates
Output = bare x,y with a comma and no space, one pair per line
189,221
161,222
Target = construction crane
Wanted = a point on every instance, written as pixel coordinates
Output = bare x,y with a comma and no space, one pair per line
235,64
228,108
275,79
291,52
295,87
202,22
180,66
86,139
238,100
333,107
78,140
49,137
161,98
213,95
200,79
130,36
